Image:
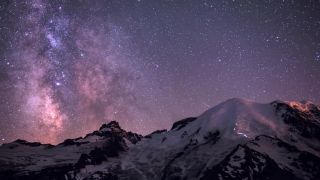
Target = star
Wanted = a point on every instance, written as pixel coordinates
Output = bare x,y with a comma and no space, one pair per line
317,58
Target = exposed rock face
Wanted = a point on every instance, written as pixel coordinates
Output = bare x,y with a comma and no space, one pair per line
303,118
238,139
182,123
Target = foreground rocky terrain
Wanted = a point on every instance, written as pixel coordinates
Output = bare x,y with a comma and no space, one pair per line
237,139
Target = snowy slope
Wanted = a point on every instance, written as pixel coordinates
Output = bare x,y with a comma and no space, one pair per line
21,158
237,139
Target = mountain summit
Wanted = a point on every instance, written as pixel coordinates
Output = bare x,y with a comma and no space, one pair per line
237,139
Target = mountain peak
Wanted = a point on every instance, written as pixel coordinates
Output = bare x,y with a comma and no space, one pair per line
240,117
27,143
302,105
111,124
21,142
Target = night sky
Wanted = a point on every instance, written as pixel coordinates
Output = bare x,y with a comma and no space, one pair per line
66,67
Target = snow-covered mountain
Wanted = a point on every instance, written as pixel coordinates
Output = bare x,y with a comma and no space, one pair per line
237,139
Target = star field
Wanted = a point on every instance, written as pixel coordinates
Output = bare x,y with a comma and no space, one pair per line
66,67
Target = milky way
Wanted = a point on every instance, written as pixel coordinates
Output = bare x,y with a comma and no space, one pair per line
69,66
69,77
